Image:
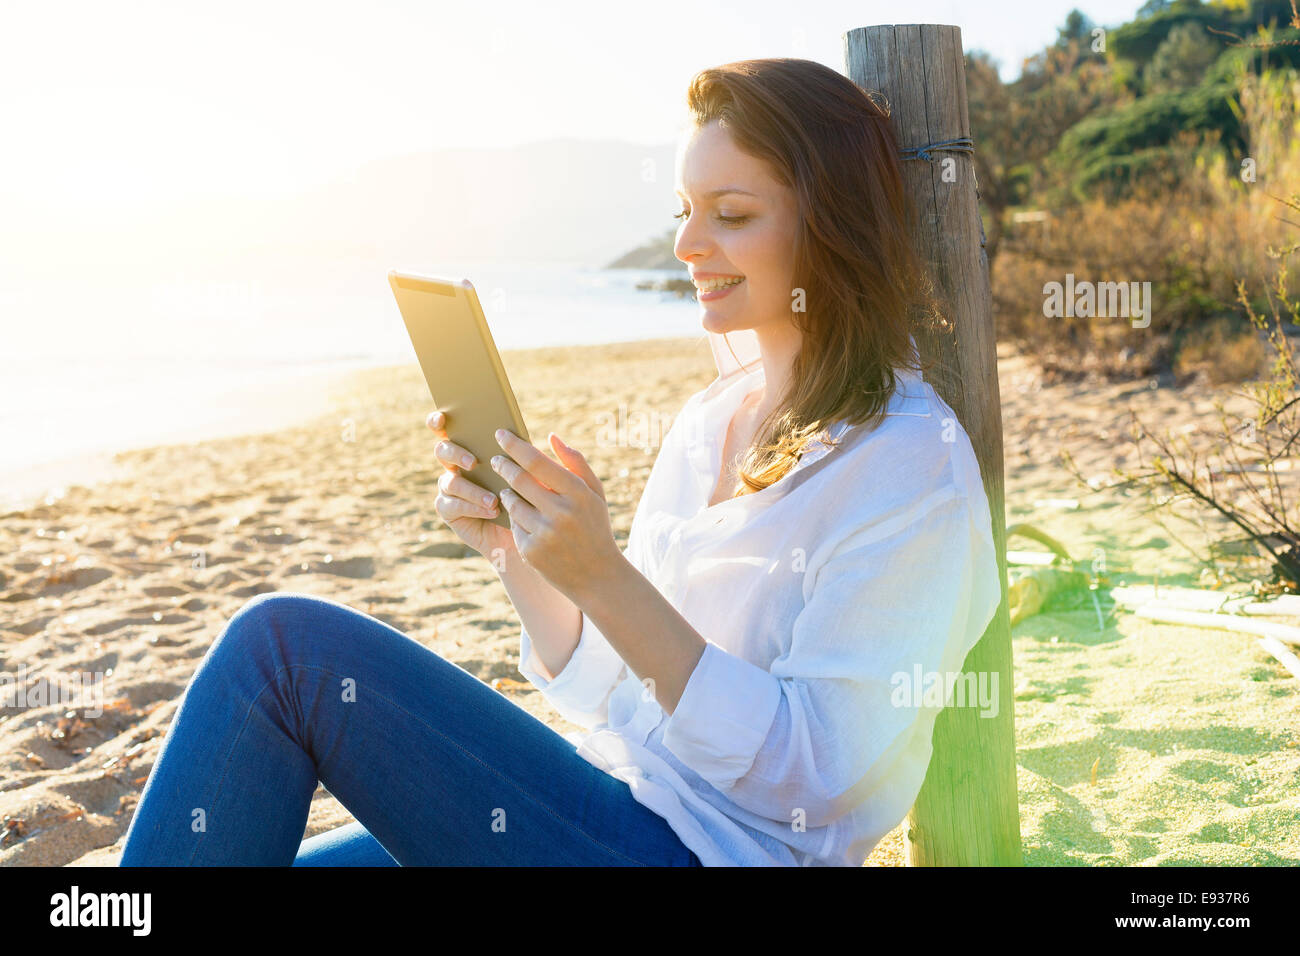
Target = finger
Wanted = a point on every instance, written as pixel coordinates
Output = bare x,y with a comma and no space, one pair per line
522,514
456,485
576,462
437,422
549,474
528,487
452,455
451,509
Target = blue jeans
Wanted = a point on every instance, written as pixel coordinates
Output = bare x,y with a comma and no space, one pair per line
438,768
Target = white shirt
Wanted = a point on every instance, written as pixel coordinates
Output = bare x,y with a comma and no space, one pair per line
813,595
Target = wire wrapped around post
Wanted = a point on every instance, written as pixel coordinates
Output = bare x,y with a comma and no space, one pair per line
963,144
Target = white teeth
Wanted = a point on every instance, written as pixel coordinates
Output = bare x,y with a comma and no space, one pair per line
712,285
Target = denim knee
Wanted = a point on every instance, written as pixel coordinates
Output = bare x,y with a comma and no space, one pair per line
263,616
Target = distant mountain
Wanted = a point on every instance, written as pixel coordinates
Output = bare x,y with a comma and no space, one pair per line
656,254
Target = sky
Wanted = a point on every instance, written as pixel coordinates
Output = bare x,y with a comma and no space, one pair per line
181,179
110,105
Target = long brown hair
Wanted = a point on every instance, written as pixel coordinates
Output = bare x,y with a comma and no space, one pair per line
864,285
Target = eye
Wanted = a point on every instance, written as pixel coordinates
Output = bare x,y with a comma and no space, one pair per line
725,220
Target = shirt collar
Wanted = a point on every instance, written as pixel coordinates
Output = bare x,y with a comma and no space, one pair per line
747,361
745,344
747,356
736,380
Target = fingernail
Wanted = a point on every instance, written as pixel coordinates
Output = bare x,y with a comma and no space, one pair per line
501,434
487,500
467,459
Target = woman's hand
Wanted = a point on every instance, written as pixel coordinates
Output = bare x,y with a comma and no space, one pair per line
558,515
461,502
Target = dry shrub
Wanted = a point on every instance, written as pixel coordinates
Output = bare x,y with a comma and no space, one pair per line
1192,231
1222,352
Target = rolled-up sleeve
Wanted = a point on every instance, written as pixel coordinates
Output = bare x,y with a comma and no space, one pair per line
580,692
818,732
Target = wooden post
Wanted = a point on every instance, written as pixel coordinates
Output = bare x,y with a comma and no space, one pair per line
967,813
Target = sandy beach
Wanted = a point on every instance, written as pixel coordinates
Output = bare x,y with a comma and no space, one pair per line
1137,742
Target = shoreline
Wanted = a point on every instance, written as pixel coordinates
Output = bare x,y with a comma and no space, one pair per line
298,396
307,395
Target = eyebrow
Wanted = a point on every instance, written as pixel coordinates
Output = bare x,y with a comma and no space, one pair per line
714,194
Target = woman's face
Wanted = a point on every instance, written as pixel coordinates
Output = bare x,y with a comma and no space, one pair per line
736,221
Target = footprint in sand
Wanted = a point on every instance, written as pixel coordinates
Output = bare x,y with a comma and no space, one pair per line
165,590
223,580
362,567
192,539
150,608
100,664
252,590
34,626
151,621
488,670
100,795
277,537
59,582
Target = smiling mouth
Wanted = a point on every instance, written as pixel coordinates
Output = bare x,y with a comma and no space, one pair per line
713,285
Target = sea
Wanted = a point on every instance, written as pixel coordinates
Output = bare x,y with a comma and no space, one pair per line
88,369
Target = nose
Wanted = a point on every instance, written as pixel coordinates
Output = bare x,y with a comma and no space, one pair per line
691,241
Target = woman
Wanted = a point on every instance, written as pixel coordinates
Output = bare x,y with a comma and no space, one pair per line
814,526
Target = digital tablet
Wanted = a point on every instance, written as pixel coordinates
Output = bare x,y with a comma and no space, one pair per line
461,366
